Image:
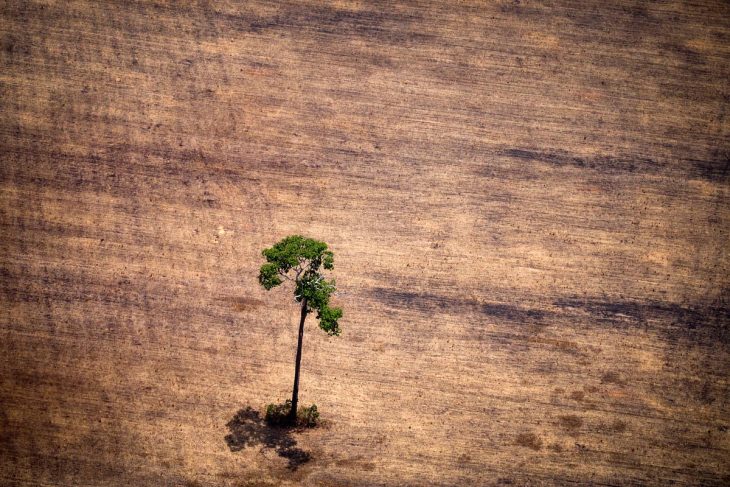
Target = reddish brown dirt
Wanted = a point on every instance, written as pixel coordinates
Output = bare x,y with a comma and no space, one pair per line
528,203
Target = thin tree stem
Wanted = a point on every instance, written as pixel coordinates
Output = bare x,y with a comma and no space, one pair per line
295,391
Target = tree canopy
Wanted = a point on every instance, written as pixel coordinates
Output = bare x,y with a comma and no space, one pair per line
301,260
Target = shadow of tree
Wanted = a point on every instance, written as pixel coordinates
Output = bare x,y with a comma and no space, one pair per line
248,429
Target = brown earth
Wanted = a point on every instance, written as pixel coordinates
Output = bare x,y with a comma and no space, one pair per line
528,203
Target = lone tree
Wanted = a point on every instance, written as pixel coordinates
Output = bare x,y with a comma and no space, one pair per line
300,260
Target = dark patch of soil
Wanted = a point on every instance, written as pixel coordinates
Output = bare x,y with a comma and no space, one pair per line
530,440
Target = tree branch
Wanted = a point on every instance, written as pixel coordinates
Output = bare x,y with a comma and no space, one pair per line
284,275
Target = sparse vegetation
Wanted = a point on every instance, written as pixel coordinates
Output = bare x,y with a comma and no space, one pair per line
279,415
308,417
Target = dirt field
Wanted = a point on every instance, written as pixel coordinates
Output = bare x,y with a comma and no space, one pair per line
529,205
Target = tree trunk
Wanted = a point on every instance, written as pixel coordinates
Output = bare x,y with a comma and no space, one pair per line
295,392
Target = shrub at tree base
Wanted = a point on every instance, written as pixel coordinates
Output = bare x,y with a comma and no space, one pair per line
278,415
308,416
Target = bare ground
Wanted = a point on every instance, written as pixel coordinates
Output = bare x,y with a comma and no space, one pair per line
528,204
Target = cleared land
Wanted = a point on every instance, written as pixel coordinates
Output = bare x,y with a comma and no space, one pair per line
528,202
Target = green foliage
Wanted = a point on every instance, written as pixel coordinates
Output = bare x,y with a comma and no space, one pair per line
277,415
291,251
308,417
328,319
269,276
301,259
